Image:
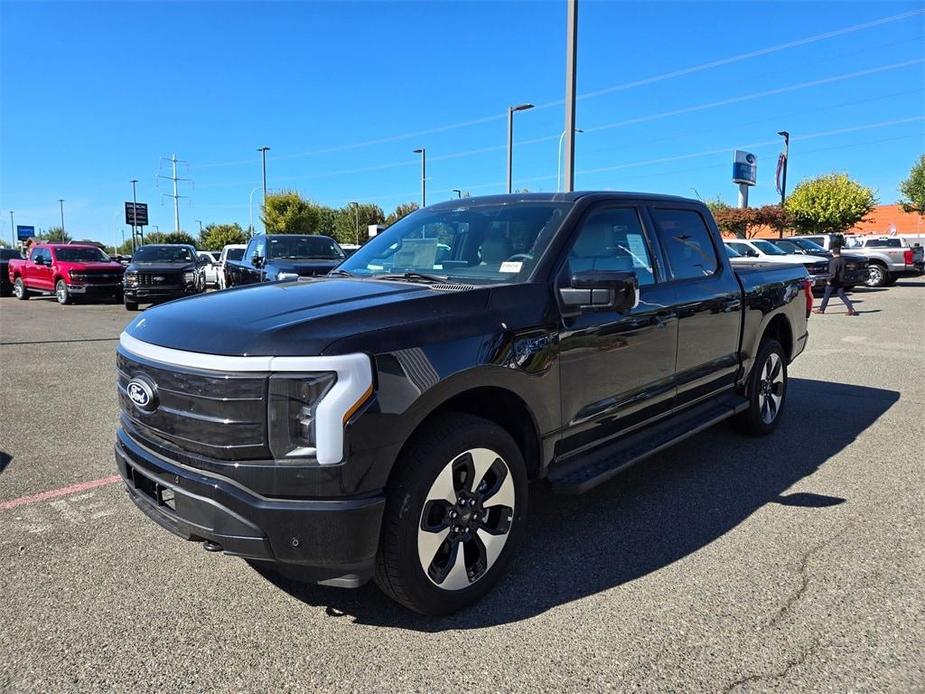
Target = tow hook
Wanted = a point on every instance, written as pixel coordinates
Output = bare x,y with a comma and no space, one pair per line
210,546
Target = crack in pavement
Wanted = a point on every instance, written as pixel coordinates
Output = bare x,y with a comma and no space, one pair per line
788,666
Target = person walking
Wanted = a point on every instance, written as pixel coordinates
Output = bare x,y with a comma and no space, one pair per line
836,282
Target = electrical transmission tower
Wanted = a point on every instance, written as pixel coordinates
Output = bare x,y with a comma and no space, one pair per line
176,185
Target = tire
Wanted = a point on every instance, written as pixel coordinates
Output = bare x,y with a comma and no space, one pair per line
131,305
766,391
455,454
62,294
877,275
19,290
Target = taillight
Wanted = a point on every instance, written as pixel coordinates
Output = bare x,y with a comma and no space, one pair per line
808,290
908,256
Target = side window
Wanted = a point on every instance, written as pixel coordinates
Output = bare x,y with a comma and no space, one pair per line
686,240
612,239
745,250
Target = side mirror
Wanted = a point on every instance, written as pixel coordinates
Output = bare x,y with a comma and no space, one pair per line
40,260
600,290
257,261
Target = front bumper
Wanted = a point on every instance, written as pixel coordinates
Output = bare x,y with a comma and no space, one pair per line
327,539
143,295
95,289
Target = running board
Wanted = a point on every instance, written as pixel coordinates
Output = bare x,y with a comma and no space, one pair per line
588,470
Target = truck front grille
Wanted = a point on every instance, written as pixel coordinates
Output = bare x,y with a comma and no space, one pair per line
220,415
160,279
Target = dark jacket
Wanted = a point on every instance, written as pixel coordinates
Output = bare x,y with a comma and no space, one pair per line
837,267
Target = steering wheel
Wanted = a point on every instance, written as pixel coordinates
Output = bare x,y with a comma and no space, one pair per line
519,256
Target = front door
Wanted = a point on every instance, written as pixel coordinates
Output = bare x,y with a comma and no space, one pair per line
616,369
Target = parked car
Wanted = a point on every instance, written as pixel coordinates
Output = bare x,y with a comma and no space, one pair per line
767,252
6,255
385,420
349,248
272,257
209,268
887,259
161,272
67,271
855,265
230,252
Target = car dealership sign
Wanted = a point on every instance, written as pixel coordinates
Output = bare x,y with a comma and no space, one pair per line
744,168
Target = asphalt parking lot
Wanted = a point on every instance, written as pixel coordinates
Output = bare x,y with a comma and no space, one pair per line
788,563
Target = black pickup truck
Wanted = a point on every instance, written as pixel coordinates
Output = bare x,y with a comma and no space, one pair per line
273,257
161,272
384,421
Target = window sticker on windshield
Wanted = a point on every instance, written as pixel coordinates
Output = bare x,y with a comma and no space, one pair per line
511,266
374,267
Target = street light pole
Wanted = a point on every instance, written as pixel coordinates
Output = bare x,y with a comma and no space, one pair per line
458,193
510,139
134,182
12,231
571,71
356,210
423,152
559,160
783,184
61,203
200,225
263,154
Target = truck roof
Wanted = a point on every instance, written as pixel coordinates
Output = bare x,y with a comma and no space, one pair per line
560,197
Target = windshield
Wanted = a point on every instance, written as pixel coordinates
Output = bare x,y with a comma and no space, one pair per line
768,248
304,247
234,254
787,245
9,253
732,252
81,254
808,245
477,243
164,254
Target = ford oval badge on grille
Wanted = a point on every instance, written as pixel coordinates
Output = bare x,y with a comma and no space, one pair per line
142,395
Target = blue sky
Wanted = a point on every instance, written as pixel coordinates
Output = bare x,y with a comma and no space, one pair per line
92,95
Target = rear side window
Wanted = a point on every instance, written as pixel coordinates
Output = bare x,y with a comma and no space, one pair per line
686,240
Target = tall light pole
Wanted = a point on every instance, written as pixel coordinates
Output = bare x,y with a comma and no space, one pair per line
356,210
783,182
263,155
458,193
559,160
511,110
134,182
200,225
250,209
423,152
571,71
12,231
61,203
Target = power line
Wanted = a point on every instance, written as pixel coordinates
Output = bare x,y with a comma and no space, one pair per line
606,90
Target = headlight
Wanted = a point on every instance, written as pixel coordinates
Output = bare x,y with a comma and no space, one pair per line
77,276
189,276
131,279
285,276
291,413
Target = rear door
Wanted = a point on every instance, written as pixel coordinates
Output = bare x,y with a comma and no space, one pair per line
708,300
616,369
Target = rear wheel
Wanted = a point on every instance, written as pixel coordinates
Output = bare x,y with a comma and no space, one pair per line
766,390
877,275
62,294
454,515
19,289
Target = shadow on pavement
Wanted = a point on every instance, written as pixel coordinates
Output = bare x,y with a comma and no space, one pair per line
5,460
646,519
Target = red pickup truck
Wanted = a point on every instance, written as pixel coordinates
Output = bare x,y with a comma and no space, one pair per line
66,270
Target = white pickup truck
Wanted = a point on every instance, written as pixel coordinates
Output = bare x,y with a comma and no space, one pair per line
888,258
234,251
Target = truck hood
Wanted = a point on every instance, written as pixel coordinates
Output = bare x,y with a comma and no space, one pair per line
306,317
95,265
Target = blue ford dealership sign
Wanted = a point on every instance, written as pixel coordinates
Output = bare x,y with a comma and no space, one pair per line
744,168
23,233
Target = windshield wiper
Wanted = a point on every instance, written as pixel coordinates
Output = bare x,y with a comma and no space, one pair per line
340,273
412,277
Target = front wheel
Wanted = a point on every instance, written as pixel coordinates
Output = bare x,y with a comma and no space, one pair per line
766,390
877,276
454,516
131,305
19,289
62,294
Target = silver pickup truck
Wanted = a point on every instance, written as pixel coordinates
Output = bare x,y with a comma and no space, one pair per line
888,258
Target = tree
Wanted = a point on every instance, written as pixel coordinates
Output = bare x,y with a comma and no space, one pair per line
913,188
179,237
829,204
56,235
155,237
400,211
215,237
352,222
288,212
